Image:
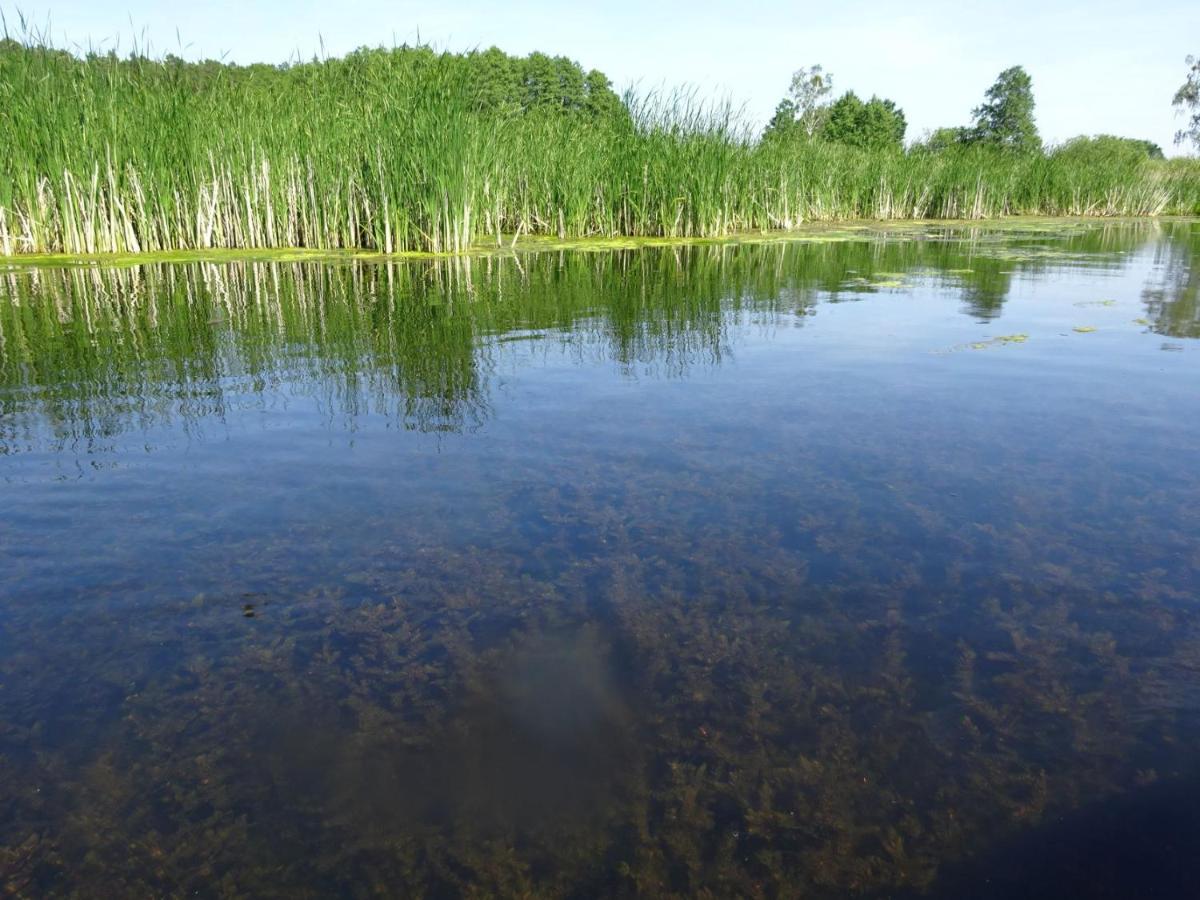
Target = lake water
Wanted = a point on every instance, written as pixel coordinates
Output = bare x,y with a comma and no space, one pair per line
861,565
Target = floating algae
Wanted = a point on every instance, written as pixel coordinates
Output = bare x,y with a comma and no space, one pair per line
998,341
1084,329
874,284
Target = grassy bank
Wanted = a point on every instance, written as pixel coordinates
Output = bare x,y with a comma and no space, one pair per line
405,150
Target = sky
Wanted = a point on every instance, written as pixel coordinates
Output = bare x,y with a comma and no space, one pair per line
1097,67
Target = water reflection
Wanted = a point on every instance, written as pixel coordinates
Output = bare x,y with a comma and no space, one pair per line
653,572
1172,295
90,352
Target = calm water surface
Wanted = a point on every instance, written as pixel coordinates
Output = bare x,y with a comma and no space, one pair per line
865,565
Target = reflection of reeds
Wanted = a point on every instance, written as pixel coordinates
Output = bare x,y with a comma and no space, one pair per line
415,340
196,333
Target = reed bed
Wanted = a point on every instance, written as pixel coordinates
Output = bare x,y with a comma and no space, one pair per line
393,150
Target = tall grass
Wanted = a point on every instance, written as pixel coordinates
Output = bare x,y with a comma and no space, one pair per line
391,150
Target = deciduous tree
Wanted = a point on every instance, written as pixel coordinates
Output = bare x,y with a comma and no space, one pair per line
1187,99
804,110
1005,118
872,125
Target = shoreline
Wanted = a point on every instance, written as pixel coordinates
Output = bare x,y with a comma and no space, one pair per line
814,232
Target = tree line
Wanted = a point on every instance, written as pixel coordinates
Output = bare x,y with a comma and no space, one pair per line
498,82
1005,119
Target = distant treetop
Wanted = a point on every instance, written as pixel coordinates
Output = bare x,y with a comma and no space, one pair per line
1187,101
498,82
806,114
871,125
1005,118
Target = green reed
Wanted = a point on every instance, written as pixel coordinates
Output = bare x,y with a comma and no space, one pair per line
394,150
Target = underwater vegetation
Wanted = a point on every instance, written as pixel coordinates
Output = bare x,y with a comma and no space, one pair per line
557,574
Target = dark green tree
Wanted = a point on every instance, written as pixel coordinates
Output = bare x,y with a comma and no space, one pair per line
1151,149
600,100
941,139
1105,149
511,85
783,122
1005,119
497,80
1187,101
872,125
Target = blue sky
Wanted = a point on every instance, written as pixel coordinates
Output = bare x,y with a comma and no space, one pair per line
1097,67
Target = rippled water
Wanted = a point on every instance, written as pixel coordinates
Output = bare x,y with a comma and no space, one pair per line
865,564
